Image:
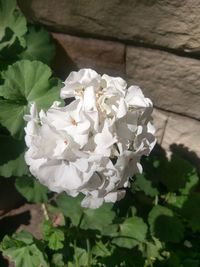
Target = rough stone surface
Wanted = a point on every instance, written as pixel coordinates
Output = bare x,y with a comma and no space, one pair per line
171,81
182,131
167,23
27,217
178,134
160,119
75,53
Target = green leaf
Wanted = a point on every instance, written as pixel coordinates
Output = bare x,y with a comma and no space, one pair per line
191,211
151,249
132,232
101,250
24,251
53,236
176,201
175,174
6,11
70,207
80,257
142,184
191,183
16,167
24,236
58,260
191,263
25,82
99,219
10,148
32,189
165,225
38,46
12,161
13,21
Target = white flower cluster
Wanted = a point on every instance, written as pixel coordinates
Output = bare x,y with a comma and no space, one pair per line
94,144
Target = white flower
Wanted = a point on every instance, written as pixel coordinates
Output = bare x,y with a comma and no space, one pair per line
93,145
77,82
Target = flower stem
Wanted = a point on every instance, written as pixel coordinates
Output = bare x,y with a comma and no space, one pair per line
45,211
89,252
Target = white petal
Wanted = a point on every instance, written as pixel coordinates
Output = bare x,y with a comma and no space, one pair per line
135,97
91,202
105,139
122,109
59,176
89,99
116,83
77,81
114,196
81,164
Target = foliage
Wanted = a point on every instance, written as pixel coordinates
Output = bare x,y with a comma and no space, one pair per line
21,82
18,40
157,223
24,250
141,230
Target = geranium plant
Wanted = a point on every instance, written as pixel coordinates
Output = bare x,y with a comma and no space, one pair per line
84,140
94,144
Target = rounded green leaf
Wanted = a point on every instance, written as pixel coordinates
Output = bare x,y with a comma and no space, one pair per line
165,225
25,82
12,22
32,189
176,174
132,232
12,161
38,46
191,211
23,251
143,184
53,235
99,219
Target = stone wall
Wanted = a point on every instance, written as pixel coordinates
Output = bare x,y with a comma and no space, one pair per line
152,43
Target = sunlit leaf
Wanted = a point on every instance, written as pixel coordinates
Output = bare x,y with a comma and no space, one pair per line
87,218
13,24
58,260
23,251
54,236
132,232
25,82
142,184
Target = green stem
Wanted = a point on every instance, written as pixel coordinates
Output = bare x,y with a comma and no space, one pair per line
75,255
89,252
45,212
156,200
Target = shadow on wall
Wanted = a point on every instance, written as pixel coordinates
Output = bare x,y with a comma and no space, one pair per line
188,155
178,150
74,53
62,63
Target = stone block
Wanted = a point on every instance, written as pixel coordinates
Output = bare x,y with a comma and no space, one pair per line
184,132
75,53
160,121
167,23
171,81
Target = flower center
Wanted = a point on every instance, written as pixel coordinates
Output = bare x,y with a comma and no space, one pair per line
66,142
73,121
